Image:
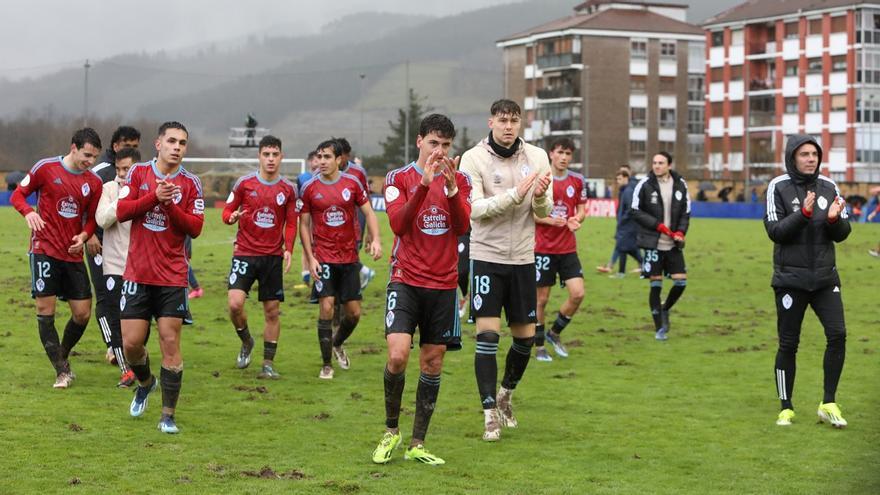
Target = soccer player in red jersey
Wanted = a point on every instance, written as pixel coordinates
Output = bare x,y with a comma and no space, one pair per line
428,208
264,205
556,248
165,204
327,229
68,194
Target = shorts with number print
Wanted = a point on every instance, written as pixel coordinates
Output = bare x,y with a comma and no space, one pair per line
68,280
339,280
267,270
510,287
548,265
434,311
145,302
658,263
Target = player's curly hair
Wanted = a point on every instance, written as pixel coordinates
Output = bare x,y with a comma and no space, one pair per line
439,124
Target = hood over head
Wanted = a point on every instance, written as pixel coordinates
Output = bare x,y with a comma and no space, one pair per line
794,142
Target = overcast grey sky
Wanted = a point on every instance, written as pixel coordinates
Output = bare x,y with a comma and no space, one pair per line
39,36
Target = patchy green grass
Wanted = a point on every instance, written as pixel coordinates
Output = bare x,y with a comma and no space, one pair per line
624,414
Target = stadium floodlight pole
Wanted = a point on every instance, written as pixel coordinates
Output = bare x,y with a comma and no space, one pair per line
406,122
86,67
362,76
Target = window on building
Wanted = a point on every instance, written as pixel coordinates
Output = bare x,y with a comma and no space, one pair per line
791,68
695,153
791,105
638,49
868,67
718,38
637,147
814,104
838,140
717,74
717,108
736,108
667,118
696,119
736,37
696,89
814,66
838,24
791,30
814,26
838,103
667,146
638,117
667,85
637,84
838,63
667,49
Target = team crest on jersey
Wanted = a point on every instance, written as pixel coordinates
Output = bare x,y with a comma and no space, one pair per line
346,194
155,220
279,198
177,197
433,221
334,216
389,318
110,283
299,205
264,217
559,210
40,285
85,189
569,191
524,171
68,207
391,193
822,202
496,178
478,302
787,301
678,195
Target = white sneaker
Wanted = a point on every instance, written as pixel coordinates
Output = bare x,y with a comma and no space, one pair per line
326,373
492,423
63,380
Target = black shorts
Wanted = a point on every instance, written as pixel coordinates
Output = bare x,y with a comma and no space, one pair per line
245,270
145,302
496,286
658,263
67,280
342,281
548,265
434,311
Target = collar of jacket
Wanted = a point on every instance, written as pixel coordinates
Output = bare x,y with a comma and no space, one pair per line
501,150
672,175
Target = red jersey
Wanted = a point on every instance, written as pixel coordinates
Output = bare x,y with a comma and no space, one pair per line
268,225
426,227
66,200
569,191
352,168
332,206
156,254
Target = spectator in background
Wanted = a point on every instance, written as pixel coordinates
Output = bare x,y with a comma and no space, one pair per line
627,229
606,268
754,195
724,193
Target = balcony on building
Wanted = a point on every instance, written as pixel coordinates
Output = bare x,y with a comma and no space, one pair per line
559,53
557,87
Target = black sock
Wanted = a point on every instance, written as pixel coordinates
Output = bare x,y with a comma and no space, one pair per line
654,302
325,338
517,360
49,338
675,292
785,370
539,335
346,327
835,352
393,393
245,335
269,349
73,331
142,371
170,382
486,367
559,325
426,398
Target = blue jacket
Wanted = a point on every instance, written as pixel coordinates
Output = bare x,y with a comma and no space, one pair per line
627,229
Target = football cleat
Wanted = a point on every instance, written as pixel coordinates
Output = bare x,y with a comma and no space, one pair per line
492,424
268,373
785,417
421,454
505,408
341,357
556,341
661,334
830,413
389,442
326,373
63,380
127,379
167,425
139,402
366,278
244,355
541,354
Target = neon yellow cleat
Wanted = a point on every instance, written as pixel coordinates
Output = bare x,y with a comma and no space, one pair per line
830,413
386,446
785,417
421,454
